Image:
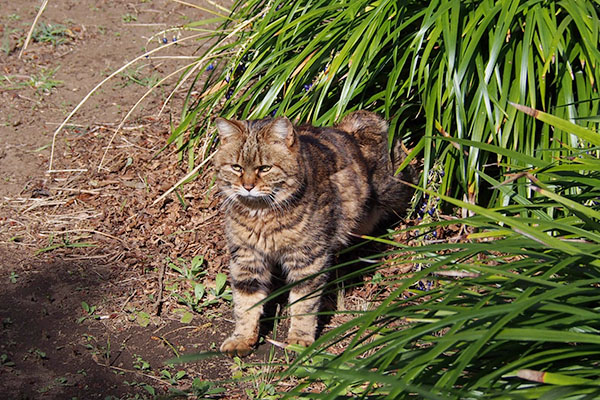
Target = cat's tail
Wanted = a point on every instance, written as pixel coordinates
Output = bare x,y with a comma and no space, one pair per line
359,120
391,195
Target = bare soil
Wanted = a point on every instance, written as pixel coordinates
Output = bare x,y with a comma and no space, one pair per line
87,305
90,307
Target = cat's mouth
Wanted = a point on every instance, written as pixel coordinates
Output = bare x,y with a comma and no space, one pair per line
254,198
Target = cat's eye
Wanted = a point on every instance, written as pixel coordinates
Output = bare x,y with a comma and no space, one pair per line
236,168
264,168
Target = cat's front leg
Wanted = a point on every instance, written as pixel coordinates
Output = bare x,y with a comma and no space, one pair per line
305,296
250,279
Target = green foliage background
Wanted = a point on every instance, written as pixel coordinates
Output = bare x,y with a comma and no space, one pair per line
442,68
500,100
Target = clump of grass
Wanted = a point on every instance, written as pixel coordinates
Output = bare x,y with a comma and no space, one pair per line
139,77
44,80
54,34
438,69
514,309
513,312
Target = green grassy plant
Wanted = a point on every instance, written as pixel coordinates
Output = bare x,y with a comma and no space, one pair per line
438,69
190,291
514,312
499,99
54,34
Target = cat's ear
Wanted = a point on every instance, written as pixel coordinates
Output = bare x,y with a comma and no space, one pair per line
227,128
283,130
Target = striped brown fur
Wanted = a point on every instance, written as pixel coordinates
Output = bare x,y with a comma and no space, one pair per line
294,196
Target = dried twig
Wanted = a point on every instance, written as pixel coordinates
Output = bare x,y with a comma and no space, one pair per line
39,14
91,92
161,276
185,178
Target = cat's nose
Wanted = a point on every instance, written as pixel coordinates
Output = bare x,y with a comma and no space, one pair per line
248,186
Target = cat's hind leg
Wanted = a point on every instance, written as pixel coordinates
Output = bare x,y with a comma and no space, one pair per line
305,296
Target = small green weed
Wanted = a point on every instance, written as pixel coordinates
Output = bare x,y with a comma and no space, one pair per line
143,318
5,361
128,18
51,33
96,348
140,363
139,77
193,272
44,81
61,381
187,290
199,297
13,277
37,353
89,311
65,243
173,378
7,47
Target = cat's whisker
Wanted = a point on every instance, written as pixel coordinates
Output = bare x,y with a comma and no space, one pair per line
228,200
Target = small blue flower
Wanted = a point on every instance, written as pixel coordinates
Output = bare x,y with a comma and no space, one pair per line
431,211
174,38
274,111
307,86
165,40
442,173
227,79
229,94
210,67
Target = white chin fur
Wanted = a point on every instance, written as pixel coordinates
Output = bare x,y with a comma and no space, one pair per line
254,192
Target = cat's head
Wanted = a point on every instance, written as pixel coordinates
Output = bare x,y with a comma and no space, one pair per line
257,163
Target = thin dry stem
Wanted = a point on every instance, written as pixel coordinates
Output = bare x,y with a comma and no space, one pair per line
120,126
37,17
185,178
89,94
205,9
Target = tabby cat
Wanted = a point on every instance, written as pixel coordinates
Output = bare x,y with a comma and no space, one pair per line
294,196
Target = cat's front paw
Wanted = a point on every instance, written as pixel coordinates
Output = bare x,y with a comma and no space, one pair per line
237,346
301,340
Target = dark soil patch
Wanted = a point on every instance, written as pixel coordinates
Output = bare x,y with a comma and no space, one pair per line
92,239
90,306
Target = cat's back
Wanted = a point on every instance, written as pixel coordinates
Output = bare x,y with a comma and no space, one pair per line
337,177
329,150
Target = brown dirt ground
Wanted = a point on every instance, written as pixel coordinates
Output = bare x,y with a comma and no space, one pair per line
47,351
91,235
